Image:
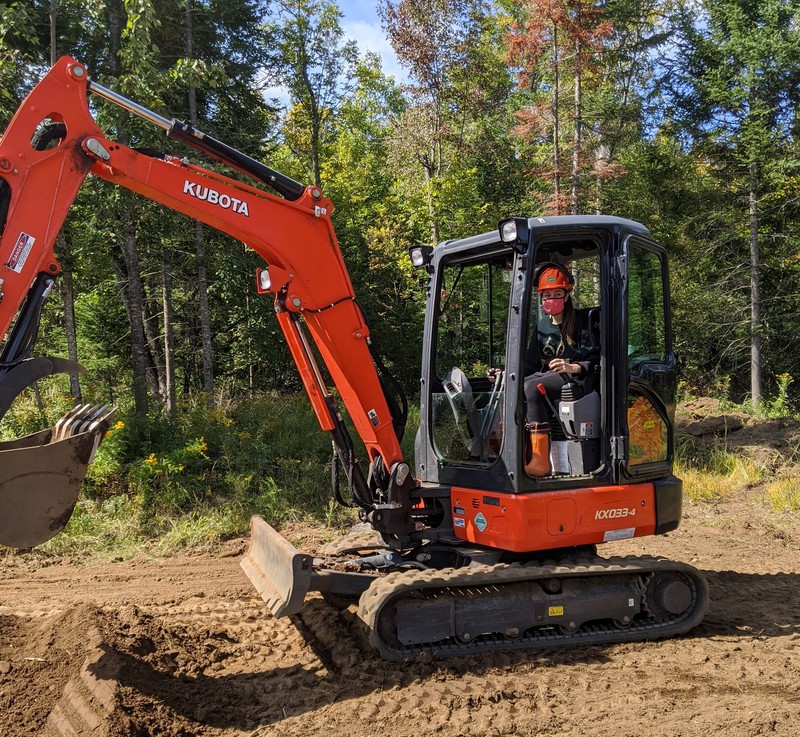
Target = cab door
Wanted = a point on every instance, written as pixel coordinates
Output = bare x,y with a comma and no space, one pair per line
645,415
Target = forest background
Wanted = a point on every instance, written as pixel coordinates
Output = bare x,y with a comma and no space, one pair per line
679,114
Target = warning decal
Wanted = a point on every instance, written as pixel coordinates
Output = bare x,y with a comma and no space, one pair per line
20,252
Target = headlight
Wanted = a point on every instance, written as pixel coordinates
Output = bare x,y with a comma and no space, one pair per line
508,231
420,255
515,233
263,282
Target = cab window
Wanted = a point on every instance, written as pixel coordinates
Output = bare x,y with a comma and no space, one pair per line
471,331
648,431
647,339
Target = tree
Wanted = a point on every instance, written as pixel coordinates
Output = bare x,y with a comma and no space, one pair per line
736,88
459,88
316,64
549,41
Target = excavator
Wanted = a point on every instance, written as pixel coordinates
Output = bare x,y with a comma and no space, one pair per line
488,541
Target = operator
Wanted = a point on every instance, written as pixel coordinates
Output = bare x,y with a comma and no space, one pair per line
562,348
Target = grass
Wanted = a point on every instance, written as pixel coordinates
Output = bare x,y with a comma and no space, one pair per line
783,494
161,485
710,474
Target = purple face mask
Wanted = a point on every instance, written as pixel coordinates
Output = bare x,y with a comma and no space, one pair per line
553,306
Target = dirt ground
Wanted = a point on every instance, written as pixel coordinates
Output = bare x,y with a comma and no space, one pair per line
183,646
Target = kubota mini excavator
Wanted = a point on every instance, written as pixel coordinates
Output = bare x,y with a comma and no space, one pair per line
479,549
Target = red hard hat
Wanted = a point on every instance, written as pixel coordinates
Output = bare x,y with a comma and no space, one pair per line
554,277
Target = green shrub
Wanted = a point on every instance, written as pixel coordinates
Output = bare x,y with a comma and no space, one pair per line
163,482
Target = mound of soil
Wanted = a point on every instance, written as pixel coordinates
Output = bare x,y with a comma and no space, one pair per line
771,443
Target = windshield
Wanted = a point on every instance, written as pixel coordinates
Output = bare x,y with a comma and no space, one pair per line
470,341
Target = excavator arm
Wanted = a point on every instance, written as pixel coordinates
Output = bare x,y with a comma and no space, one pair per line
50,147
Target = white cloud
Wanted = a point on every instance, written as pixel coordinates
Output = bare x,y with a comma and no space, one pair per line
370,37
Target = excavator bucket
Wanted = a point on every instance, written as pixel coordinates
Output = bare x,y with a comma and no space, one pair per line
41,475
280,572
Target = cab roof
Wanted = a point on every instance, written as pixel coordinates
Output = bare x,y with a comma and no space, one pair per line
569,223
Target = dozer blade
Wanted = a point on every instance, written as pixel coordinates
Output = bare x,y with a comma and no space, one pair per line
41,475
280,572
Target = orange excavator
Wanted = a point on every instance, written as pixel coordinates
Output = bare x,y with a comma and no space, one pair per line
489,541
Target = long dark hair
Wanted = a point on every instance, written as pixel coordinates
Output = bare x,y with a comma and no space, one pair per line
569,321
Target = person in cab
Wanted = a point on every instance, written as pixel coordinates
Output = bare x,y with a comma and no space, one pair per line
562,349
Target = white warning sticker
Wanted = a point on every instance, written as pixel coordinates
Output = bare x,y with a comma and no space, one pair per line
610,535
20,252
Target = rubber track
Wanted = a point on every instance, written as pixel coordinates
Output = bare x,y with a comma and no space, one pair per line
391,587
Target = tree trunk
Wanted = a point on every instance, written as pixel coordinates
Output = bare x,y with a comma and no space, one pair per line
204,314
431,207
128,274
316,127
755,292
156,371
251,378
66,286
68,296
170,393
200,244
577,136
53,28
136,309
556,141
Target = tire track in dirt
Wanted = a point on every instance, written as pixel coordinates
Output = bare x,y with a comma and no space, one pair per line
184,647
88,703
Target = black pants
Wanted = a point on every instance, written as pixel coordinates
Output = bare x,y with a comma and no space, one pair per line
536,404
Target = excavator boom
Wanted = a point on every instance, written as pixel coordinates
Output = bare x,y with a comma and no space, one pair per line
49,148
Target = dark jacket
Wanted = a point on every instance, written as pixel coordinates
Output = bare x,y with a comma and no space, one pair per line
548,343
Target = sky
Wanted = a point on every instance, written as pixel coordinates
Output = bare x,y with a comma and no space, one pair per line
361,23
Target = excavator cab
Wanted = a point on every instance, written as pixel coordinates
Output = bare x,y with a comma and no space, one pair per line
611,430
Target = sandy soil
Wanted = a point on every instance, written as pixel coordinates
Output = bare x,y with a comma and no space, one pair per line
183,646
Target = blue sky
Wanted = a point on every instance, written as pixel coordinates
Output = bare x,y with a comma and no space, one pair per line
361,23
